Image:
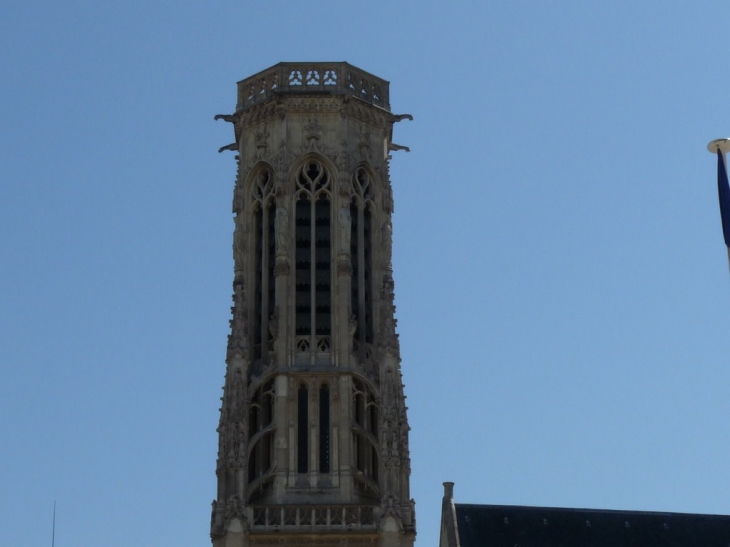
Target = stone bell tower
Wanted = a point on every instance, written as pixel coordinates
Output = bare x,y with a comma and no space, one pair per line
313,435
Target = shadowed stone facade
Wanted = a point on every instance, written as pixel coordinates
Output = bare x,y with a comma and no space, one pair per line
313,434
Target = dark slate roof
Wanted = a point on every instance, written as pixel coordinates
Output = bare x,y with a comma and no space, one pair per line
513,526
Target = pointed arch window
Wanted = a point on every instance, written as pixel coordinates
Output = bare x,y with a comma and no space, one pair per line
361,214
264,211
313,321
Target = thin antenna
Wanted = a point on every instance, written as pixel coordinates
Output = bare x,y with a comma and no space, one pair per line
53,534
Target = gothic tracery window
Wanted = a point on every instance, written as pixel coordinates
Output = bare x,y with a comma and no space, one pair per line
313,321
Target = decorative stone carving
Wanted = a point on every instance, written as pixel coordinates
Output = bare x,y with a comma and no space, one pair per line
238,339
230,147
232,429
400,117
343,158
239,248
281,189
274,323
234,509
389,427
297,541
264,113
239,201
316,136
313,130
261,139
387,244
281,162
395,147
363,144
345,189
236,399
287,79
363,114
388,322
282,231
345,229
314,106
235,447
282,266
387,191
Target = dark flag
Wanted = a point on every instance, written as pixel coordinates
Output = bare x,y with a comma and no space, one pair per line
723,191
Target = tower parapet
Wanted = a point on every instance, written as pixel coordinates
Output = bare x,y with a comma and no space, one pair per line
329,78
313,434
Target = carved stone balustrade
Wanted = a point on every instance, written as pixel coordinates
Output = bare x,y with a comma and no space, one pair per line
318,78
314,517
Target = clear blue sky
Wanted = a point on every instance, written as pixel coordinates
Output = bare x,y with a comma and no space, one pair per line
561,281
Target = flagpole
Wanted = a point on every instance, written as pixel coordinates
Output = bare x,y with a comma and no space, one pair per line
721,148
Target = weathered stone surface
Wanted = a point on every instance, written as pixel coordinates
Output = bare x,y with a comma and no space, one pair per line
313,445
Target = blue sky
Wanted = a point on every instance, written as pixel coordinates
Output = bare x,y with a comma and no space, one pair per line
561,281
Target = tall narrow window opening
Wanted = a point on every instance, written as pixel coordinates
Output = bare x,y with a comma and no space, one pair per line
303,266
367,272
324,429
323,277
260,419
313,257
259,259
365,428
360,251
354,285
270,264
302,430
264,206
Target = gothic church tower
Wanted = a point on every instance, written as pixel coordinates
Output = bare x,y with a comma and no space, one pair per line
313,435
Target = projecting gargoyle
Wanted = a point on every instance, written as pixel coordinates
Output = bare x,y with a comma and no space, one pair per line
232,146
395,147
401,117
225,117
